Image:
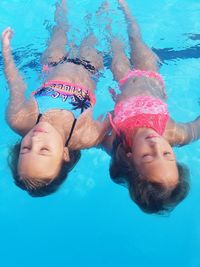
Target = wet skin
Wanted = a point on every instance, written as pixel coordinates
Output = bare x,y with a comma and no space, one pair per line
154,157
42,152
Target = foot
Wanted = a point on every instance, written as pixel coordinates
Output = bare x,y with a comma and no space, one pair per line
60,13
134,29
103,8
124,7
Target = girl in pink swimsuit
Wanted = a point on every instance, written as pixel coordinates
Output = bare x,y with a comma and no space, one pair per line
56,121
143,132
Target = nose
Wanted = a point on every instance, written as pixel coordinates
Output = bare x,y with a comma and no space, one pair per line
35,133
35,141
36,136
153,142
156,146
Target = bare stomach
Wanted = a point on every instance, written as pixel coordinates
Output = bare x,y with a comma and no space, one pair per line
69,72
141,86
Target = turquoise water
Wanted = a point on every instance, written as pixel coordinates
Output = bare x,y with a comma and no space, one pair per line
91,221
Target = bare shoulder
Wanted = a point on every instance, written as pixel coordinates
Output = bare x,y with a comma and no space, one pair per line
170,133
90,132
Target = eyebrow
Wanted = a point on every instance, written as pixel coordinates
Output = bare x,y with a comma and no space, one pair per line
153,160
41,154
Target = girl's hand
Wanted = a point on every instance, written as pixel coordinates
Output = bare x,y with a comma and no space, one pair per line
121,2
7,35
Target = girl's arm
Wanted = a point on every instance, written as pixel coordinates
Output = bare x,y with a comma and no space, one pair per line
21,113
96,132
182,133
107,142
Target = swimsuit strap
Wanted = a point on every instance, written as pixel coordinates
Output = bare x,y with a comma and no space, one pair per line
38,118
77,61
71,132
85,63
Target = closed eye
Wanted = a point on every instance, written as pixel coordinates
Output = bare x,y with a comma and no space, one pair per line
169,155
44,149
25,148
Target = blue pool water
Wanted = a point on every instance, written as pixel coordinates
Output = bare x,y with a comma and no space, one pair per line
91,221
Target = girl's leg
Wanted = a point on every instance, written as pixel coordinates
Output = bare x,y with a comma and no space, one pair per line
57,44
120,63
142,56
89,52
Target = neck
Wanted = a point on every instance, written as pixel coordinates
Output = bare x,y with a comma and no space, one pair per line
60,122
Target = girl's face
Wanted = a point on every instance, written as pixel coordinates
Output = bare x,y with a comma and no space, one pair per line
42,153
154,157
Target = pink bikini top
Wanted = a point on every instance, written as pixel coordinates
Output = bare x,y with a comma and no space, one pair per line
139,112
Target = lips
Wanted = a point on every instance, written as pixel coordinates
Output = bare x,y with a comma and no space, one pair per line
150,136
40,130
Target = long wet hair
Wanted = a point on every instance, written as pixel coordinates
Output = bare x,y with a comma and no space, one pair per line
40,187
151,197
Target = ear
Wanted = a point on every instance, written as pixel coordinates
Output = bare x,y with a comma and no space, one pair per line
66,156
129,154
